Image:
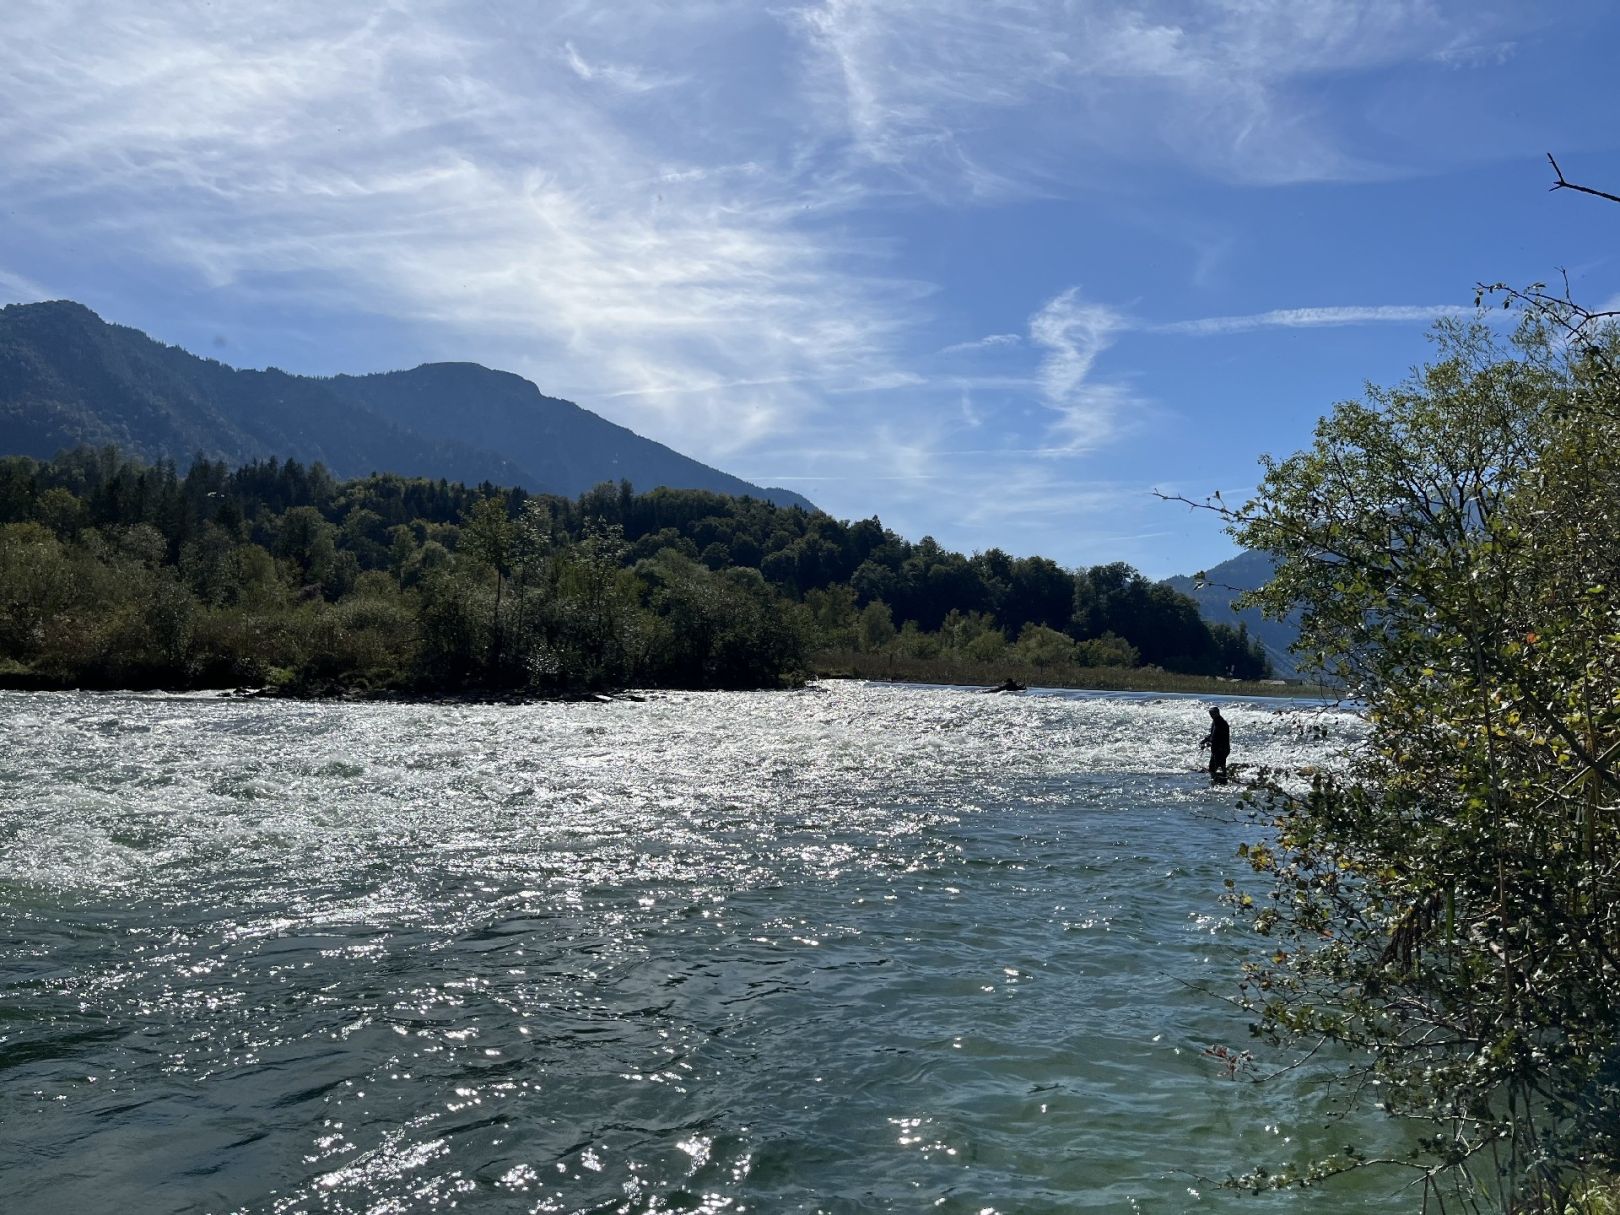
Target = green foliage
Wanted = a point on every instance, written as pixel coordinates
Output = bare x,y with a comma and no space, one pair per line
914,643
833,616
723,630
876,627
1450,911
1039,646
1109,650
988,646
1597,1197
36,586
276,572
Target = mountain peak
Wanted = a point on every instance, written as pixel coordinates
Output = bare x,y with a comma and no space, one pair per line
52,308
48,313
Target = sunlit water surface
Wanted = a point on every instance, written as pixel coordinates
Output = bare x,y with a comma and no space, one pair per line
855,948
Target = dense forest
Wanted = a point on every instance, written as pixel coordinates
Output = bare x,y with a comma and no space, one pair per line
114,573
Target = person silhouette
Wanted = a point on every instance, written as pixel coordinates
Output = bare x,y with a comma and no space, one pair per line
1219,742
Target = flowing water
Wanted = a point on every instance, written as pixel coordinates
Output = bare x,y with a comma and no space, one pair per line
854,948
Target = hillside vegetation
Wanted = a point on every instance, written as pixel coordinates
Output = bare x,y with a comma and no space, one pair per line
114,573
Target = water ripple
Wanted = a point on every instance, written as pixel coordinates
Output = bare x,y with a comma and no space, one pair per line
858,948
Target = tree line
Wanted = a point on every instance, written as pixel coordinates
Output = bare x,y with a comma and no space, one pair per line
116,573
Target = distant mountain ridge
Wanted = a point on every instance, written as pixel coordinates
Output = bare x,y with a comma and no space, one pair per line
68,378
1222,584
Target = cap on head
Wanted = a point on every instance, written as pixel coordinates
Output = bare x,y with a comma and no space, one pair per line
1214,711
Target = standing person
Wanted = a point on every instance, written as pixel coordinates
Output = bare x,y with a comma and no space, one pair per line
1219,742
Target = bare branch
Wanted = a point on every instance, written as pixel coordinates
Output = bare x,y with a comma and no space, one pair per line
1209,504
1565,184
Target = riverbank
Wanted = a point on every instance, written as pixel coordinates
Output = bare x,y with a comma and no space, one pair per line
876,668
898,668
333,691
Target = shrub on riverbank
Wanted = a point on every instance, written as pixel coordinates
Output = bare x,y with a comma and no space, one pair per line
1452,912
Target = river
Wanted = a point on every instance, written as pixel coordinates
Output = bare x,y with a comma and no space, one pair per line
853,948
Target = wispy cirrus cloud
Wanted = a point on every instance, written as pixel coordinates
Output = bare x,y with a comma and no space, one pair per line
18,289
1072,333
618,75
1463,52
1315,318
958,92
991,341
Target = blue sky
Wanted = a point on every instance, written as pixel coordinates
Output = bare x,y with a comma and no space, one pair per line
991,271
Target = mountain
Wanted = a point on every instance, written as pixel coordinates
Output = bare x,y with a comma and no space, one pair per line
1225,582
68,378
567,449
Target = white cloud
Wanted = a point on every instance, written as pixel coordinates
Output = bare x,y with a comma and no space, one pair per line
983,96
1072,334
16,289
1312,318
1466,53
991,341
597,195
618,75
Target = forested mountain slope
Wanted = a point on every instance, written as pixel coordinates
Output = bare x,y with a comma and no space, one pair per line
1225,582
69,379
566,449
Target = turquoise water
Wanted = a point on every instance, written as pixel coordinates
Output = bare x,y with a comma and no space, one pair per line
856,948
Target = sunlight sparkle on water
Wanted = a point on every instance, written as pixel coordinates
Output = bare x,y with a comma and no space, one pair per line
861,947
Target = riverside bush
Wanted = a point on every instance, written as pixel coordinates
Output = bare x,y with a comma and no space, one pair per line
1450,912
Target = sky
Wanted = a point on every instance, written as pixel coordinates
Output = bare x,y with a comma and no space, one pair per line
992,271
